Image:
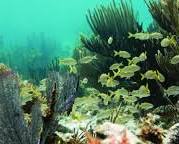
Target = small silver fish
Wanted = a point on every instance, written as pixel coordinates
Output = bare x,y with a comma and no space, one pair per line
110,40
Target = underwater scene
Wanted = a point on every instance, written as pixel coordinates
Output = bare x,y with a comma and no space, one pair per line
89,72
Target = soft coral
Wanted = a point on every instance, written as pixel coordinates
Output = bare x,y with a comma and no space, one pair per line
91,139
124,138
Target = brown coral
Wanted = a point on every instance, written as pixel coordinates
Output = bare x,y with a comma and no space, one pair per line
150,132
4,70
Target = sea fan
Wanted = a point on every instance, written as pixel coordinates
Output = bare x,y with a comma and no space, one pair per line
61,93
12,125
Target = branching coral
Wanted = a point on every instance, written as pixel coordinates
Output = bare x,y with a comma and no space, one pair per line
110,25
163,60
166,13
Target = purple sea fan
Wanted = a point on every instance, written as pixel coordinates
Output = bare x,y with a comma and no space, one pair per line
13,129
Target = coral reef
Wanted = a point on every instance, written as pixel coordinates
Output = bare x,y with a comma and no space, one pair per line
40,128
111,23
150,131
173,135
128,82
165,12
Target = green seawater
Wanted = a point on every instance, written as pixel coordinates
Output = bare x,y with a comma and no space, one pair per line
48,27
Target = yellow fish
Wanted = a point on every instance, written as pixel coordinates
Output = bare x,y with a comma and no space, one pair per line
73,69
68,61
122,54
156,75
115,66
168,42
87,59
140,36
146,36
175,60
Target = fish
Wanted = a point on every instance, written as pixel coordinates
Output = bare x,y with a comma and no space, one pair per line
151,74
73,69
140,36
146,106
156,35
123,54
87,59
106,98
135,60
84,81
143,56
172,91
115,66
175,60
121,92
111,82
92,91
165,42
68,61
160,77
146,36
126,74
168,42
103,79
131,68
143,91
130,99
110,40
